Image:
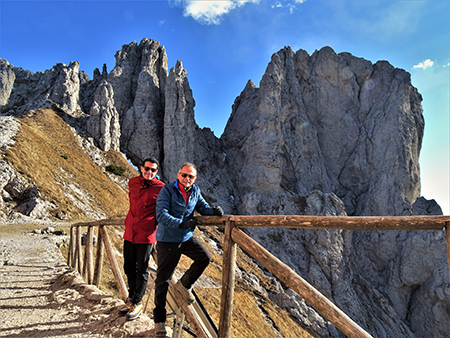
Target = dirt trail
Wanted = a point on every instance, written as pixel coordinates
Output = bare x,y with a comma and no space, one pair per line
41,297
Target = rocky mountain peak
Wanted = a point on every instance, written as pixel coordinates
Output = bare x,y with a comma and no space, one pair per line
322,123
138,81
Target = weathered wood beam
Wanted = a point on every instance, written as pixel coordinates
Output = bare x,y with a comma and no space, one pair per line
78,251
89,261
71,255
106,221
228,279
188,310
99,258
333,222
114,265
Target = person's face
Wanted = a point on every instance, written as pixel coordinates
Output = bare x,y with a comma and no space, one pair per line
149,170
187,176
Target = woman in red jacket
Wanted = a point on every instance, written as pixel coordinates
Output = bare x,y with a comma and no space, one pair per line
140,234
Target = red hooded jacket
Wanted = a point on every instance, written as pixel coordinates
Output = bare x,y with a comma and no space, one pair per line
140,223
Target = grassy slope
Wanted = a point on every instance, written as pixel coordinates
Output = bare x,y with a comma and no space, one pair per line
47,151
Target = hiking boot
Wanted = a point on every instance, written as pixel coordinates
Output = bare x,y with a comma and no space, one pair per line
135,311
160,330
124,309
186,293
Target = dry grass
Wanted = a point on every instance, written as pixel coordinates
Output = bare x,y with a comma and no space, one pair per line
47,152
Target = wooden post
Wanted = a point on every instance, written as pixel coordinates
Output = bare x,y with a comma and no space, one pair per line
228,278
188,310
71,255
79,251
325,307
447,238
99,258
84,274
114,265
89,263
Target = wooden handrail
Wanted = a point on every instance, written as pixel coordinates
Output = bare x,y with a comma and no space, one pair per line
75,260
105,221
104,242
333,222
233,236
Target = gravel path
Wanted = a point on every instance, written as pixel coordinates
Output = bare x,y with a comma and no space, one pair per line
41,297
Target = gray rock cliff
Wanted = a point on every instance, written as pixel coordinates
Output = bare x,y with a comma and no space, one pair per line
58,87
328,122
7,78
103,122
138,81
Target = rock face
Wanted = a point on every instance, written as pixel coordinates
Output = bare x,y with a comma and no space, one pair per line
328,122
178,120
138,81
323,134
184,141
59,87
7,78
103,122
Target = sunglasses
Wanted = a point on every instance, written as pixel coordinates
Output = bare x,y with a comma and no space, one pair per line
186,175
152,169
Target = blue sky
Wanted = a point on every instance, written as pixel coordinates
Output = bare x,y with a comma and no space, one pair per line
225,43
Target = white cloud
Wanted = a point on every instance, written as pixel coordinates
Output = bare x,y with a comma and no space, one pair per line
424,65
277,5
211,11
290,4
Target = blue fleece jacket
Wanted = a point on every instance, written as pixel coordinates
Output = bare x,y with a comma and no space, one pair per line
172,210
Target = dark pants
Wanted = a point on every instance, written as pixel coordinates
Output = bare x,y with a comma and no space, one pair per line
169,255
135,265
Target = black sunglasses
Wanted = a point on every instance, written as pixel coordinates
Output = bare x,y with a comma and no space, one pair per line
152,169
186,175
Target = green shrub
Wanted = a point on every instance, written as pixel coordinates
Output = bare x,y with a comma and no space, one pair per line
115,169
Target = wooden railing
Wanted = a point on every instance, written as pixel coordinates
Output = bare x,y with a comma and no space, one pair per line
234,236
75,257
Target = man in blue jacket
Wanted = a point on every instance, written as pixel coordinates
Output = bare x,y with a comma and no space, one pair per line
175,208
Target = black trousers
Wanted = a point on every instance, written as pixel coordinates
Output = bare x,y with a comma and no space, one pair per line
136,258
169,255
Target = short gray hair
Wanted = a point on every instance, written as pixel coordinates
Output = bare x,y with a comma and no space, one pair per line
188,164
